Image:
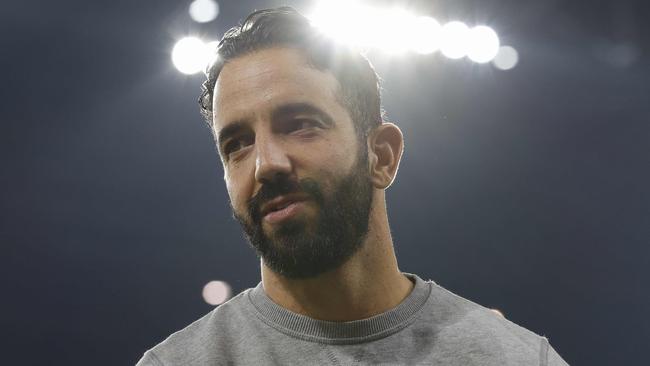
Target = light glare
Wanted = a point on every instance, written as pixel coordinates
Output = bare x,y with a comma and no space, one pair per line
426,35
390,29
190,55
203,11
454,40
506,59
483,44
395,30
364,26
216,292
337,24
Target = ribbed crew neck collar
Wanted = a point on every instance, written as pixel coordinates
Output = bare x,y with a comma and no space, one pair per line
356,331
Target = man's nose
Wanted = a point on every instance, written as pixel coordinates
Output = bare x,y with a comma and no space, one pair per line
272,160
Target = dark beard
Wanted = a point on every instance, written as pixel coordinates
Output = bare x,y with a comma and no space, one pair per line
299,249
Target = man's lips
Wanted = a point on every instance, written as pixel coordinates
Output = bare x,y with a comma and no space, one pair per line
285,204
285,213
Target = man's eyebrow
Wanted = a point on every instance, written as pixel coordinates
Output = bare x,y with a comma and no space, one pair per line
292,109
281,112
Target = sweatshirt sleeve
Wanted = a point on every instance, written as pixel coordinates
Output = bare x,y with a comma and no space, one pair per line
149,359
549,357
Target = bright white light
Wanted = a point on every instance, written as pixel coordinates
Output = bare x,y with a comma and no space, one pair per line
191,55
340,25
426,35
216,292
204,11
389,29
506,59
454,39
364,26
483,44
395,30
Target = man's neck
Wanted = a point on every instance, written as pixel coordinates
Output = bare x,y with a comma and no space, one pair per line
368,284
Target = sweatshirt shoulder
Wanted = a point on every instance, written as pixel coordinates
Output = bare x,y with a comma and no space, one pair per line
459,311
472,326
196,340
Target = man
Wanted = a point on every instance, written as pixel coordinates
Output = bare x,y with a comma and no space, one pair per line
307,158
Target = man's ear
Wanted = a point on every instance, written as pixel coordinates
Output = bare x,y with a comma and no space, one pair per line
386,144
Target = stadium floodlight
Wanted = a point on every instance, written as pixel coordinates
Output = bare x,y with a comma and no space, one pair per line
426,35
395,30
506,59
216,292
191,55
483,44
337,24
365,27
390,30
204,11
454,40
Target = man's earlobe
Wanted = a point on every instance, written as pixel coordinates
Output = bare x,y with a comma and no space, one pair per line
386,147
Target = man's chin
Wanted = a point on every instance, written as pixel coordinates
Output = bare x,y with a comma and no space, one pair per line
288,229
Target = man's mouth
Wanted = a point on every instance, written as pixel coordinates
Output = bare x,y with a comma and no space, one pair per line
282,207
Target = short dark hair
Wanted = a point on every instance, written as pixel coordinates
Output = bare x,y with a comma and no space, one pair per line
284,27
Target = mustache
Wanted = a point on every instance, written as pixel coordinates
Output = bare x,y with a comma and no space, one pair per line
282,185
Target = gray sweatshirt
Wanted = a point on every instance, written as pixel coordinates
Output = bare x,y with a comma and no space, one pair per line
432,326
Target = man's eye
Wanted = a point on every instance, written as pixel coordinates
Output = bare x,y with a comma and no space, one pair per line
302,124
237,144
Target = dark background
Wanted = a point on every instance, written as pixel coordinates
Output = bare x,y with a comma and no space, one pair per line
523,190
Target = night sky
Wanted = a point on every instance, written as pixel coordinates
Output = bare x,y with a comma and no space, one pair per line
525,190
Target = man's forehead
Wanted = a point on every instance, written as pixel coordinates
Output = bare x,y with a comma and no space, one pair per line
258,67
266,78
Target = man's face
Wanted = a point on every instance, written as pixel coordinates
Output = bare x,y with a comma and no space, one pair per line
296,174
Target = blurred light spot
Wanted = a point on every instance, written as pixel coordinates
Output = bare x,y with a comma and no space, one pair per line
454,40
212,46
426,35
216,292
483,44
396,30
340,25
363,26
506,59
191,55
389,29
498,312
204,11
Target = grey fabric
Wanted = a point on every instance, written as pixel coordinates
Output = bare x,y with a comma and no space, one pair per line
432,326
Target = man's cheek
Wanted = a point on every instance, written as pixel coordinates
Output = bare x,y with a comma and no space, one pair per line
242,211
